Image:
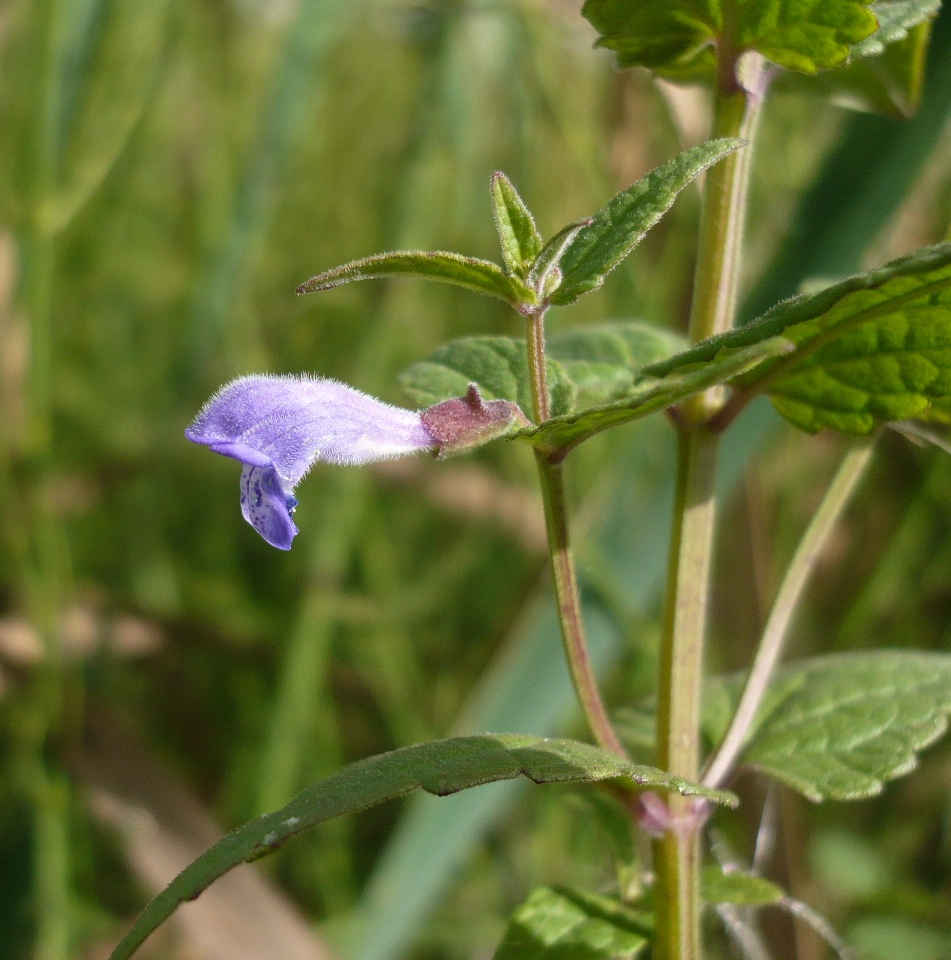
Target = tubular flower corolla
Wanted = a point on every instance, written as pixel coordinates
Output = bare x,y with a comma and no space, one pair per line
278,426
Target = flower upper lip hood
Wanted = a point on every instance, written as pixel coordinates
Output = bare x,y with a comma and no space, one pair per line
279,426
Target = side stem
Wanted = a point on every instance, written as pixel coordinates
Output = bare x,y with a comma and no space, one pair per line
677,856
777,626
551,478
569,606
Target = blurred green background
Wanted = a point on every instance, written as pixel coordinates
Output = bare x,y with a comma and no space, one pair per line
169,171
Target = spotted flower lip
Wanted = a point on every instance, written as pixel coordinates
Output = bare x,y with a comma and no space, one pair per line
279,426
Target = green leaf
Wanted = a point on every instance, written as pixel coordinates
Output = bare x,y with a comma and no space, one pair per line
441,768
546,275
676,40
601,245
604,361
890,83
838,727
483,276
558,924
809,35
873,348
498,366
651,394
896,18
738,888
518,236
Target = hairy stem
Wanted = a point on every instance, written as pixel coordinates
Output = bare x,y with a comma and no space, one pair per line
569,606
551,478
677,855
536,364
777,626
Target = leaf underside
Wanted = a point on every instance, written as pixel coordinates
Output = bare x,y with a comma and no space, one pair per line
604,361
676,40
614,231
482,276
839,727
896,18
498,366
594,364
737,888
442,767
558,924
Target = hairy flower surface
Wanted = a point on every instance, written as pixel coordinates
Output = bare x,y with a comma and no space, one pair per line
278,426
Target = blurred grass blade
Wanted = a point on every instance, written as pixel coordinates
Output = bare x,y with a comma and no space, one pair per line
113,89
308,38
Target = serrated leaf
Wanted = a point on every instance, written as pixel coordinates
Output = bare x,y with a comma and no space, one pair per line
676,40
604,361
873,348
650,394
890,83
441,768
559,924
498,366
738,888
808,36
601,245
895,19
483,276
518,236
873,351
839,727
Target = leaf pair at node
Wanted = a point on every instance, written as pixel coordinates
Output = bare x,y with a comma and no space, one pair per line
680,40
869,350
575,261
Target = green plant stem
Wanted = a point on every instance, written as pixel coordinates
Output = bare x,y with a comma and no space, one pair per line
569,606
536,363
713,308
677,855
568,601
787,599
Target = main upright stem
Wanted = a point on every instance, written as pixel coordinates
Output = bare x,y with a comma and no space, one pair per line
677,854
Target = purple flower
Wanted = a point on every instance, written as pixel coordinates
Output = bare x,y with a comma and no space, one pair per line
279,426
